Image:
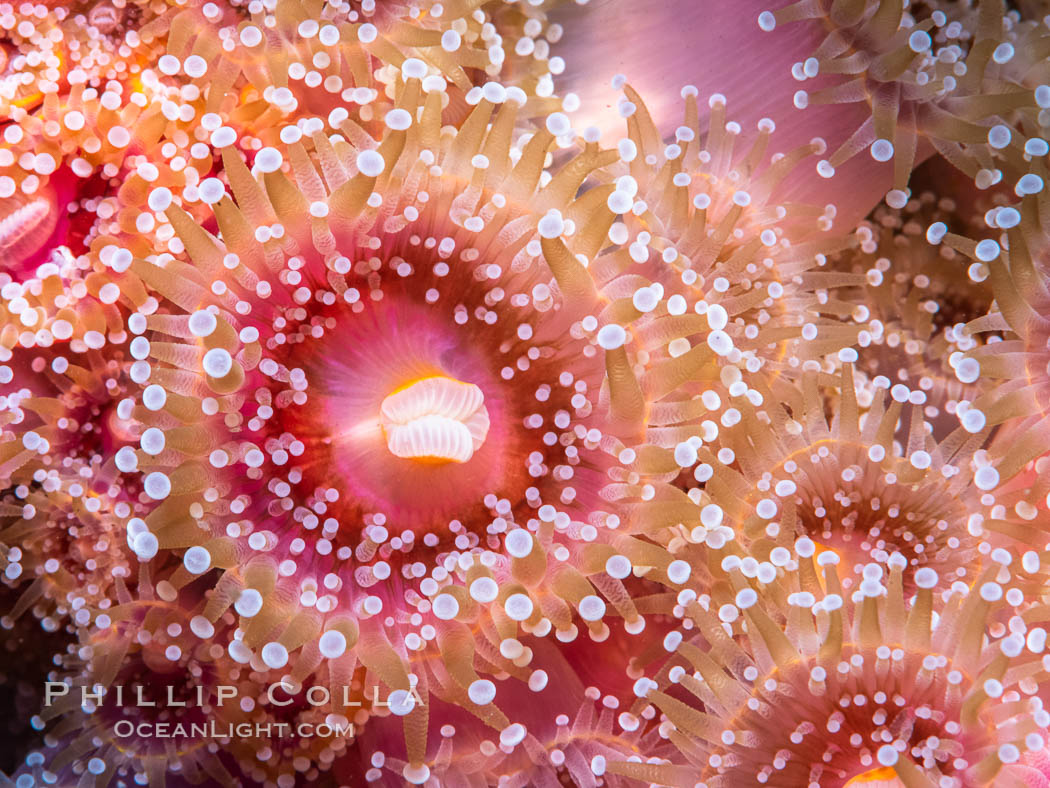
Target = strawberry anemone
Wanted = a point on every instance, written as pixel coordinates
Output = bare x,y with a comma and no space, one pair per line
129,700
913,300
885,688
844,482
384,404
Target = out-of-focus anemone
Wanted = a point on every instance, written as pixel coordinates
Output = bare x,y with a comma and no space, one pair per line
64,371
65,546
960,78
67,416
893,79
730,64
63,513
61,304
912,300
52,49
705,228
1012,521
1008,350
151,659
793,682
386,369
289,725
288,734
567,743
844,481
1033,770
295,56
29,655
720,285
140,661
34,222
75,104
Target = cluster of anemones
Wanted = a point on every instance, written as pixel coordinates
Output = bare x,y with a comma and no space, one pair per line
392,425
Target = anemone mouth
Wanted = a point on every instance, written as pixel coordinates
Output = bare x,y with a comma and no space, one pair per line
879,777
28,223
435,419
113,20
334,325
34,225
105,17
376,381
314,356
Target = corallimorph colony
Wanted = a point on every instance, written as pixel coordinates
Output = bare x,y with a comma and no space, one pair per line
525,393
